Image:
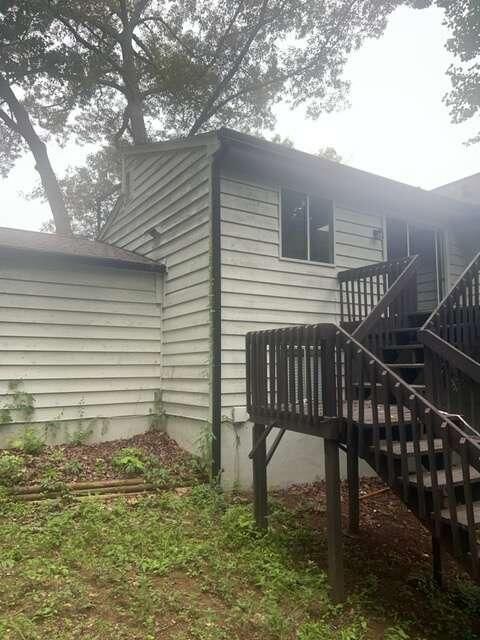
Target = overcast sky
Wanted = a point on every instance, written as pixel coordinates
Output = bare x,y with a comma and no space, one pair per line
396,125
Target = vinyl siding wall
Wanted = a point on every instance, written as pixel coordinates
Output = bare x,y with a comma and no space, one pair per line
262,291
85,341
170,191
458,257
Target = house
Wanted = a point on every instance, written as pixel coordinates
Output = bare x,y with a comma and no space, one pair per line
223,233
466,189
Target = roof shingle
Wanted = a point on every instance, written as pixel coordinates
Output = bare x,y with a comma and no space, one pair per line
75,247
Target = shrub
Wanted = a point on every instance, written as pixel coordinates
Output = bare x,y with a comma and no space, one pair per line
12,469
51,481
154,473
29,442
129,461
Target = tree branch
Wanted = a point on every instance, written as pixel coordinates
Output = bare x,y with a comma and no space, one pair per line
9,122
205,114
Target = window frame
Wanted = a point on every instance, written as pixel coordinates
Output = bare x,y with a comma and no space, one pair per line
332,264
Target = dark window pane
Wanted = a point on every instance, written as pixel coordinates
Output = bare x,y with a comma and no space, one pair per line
321,230
294,225
396,239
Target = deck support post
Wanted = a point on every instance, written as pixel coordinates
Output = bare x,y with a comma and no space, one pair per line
437,561
260,475
353,481
334,521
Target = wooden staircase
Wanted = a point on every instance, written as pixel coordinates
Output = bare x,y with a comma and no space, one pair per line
377,386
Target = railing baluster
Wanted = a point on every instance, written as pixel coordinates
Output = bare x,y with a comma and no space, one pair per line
283,388
399,390
467,492
374,405
451,496
419,470
432,463
301,396
388,426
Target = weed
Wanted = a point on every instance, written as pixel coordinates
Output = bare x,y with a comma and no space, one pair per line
156,474
52,482
100,466
129,461
82,433
396,633
73,468
29,442
12,469
203,444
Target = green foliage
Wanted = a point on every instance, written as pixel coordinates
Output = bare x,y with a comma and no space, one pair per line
52,482
203,444
462,19
82,433
129,461
150,70
396,633
12,469
20,405
30,442
238,526
73,468
156,474
170,566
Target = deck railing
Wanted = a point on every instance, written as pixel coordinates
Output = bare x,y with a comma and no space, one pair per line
451,338
313,378
378,298
457,318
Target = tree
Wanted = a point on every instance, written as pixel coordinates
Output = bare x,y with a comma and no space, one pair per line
462,17
330,153
153,69
30,58
182,66
90,191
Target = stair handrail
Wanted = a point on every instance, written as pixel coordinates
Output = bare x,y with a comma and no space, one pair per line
460,439
450,338
303,378
363,288
391,295
455,291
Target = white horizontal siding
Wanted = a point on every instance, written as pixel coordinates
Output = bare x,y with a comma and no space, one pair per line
458,257
85,341
260,290
170,191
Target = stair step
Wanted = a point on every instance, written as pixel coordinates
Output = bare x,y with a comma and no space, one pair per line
457,475
395,347
405,365
423,445
367,385
462,514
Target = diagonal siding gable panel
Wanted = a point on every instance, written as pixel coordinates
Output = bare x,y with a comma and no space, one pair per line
171,191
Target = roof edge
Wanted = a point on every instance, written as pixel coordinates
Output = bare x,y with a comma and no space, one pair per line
153,267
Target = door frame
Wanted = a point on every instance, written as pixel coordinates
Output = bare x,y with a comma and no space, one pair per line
440,248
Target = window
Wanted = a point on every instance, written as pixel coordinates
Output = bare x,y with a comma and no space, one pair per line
307,227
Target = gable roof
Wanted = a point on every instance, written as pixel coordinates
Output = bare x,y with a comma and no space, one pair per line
369,190
75,248
350,187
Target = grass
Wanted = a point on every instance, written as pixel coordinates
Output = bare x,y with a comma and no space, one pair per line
194,567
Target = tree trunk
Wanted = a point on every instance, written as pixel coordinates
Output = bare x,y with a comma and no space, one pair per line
130,78
137,121
24,127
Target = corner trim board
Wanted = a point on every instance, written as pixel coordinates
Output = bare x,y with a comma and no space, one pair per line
216,307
